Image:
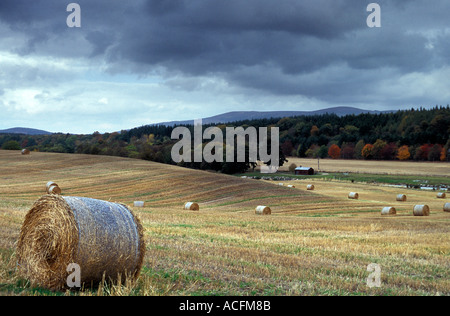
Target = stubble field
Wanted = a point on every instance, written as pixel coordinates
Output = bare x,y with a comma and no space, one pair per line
314,243
373,167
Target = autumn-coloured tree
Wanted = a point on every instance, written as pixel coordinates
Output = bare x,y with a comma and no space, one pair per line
292,167
367,151
443,154
312,151
377,148
388,151
334,151
422,152
314,130
348,151
403,153
435,153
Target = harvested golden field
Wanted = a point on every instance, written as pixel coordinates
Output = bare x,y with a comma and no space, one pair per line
314,242
374,167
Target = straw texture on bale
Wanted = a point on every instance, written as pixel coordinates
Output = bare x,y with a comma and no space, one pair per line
447,207
263,210
25,152
441,195
388,211
105,239
353,195
421,210
401,197
310,187
191,206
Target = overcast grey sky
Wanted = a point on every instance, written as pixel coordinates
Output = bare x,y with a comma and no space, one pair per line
145,61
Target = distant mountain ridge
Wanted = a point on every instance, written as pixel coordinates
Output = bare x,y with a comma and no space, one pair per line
25,131
256,115
228,117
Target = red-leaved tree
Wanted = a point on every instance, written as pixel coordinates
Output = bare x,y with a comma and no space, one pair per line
334,151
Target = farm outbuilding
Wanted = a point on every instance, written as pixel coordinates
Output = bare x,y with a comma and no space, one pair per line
304,171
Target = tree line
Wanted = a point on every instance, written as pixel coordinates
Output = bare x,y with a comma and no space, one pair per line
415,134
420,135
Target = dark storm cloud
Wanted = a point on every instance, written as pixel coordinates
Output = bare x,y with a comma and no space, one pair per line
302,17
280,47
199,37
271,45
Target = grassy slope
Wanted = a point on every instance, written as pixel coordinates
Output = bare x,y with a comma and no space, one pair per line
404,180
315,243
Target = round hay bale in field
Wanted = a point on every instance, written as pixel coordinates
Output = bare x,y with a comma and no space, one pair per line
263,210
105,239
447,207
388,211
441,195
54,189
25,152
401,197
310,187
353,195
291,186
421,210
139,203
49,184
191,206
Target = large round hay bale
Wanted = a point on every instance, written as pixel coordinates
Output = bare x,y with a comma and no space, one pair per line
447,207
441,195
25,152
421,210
263,210
353,195
291,186
388,211
191,206
401,197
103,238
310,187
